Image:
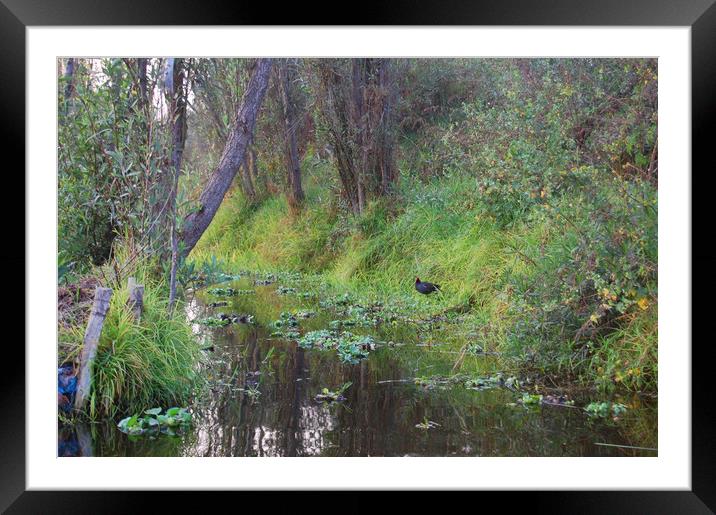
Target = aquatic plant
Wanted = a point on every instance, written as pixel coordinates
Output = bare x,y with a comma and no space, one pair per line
497,380
605,409
493,381
333,302
214,321
154,422
427,424
338,324
327,395
286,319
229,292
286,335
439,382
530,400
223,319
351,348
322,339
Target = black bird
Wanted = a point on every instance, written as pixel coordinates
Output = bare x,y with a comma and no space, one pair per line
425,287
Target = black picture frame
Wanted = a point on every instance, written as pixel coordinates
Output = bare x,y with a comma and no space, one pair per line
700,15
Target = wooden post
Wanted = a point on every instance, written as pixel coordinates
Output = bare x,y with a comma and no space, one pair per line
136,297
89,347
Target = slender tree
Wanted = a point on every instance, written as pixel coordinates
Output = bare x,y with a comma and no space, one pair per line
69,78
177,97
287,79
69,81
142,79
231,159
337,110
358,107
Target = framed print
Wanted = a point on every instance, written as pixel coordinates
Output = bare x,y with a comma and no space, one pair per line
453,256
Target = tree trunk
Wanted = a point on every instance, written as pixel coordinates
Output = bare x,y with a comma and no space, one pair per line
142,77
70,77
252,163
196,222
69,88
247,184
177,112
337,99
359,109
386,165
360,119
287,76
160,228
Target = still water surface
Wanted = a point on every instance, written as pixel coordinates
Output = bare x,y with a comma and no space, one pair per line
382,407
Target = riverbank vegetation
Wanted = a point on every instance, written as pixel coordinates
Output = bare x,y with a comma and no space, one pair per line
138,363
533,201
526,188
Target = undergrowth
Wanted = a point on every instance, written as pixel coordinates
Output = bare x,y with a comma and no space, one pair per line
532,203
531,284
138,364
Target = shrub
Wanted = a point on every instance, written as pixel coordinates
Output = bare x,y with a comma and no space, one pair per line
596,263
139,364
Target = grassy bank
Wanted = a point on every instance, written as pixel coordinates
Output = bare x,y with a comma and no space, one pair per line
523,283
138,365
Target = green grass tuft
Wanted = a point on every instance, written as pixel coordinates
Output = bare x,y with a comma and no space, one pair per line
139,365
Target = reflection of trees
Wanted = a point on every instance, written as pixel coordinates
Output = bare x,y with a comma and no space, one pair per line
231,423
375,420
292,442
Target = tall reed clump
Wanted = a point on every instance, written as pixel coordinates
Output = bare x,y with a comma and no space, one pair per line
139,365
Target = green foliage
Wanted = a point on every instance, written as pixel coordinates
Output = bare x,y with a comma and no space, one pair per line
327,395
529,400
65,269
527,190
138,364
108,159
153,422
605,409
596,266
229,292
627,358
214,321
351,348
531,282
286,320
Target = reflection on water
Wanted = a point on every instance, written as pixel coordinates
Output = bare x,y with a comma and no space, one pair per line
261,403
